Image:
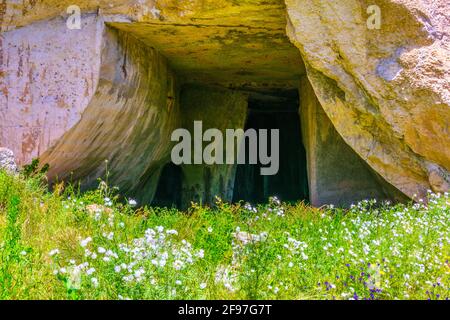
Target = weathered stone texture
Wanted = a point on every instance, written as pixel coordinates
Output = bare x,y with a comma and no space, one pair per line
386,91
48,75
336,174
128,121
217,109
78,97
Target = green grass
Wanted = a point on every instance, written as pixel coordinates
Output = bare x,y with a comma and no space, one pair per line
67,245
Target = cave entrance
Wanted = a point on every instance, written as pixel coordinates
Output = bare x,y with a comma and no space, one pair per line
241,74
290,184
168,192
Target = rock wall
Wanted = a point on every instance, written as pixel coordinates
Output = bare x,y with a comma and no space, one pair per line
128,121
48,75
217,109
385,90
78,97
336,174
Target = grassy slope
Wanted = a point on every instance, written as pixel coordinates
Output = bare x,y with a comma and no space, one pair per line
107,250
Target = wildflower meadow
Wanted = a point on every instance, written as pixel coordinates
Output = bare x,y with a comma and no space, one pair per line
65,244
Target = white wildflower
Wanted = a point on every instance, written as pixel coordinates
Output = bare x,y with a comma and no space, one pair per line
101,250
85,242
54,252
90,271
132,203
94,282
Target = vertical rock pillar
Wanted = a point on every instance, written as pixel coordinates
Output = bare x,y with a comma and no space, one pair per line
217,109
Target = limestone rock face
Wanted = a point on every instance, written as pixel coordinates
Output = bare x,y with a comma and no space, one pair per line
128,121
48,76
111,91
220,110
336,173
385,90
7,160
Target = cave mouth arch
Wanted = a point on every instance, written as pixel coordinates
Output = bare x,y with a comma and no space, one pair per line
232,65
134,100
244,76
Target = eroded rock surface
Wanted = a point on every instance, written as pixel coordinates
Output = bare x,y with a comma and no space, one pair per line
220,110
385,90
111,90
128,121
48,76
